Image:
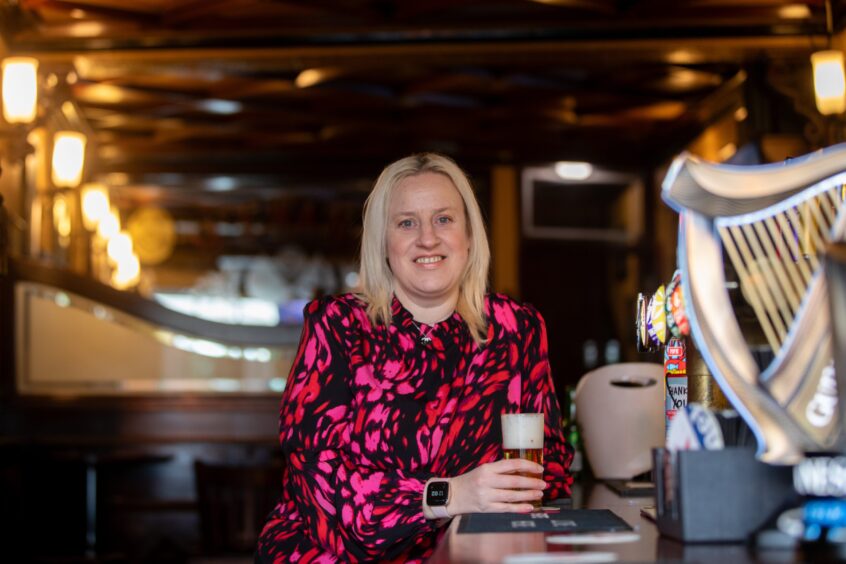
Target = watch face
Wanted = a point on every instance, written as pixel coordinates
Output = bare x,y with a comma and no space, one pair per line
437,493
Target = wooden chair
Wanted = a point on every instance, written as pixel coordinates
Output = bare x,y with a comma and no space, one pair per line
233,503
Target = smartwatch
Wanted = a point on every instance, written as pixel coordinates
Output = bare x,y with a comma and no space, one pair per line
437,497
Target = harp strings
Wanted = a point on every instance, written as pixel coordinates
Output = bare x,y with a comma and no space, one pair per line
776,258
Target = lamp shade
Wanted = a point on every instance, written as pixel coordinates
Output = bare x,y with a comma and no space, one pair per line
95,205
829,81
109,225
20,89
127,272
68,158
119,248
61,216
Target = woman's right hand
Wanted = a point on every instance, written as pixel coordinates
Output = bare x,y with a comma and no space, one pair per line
496,487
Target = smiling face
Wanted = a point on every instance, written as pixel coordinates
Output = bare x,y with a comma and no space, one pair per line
427,241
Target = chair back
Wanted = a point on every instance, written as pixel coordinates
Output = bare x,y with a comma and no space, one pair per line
234,502
620,409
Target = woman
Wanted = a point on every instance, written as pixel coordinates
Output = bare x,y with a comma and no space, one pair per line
401,387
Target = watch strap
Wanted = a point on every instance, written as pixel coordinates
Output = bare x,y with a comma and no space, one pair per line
440,511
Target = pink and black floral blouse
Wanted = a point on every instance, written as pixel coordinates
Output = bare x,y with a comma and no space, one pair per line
370,413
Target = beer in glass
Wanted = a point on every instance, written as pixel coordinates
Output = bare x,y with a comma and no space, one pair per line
522,437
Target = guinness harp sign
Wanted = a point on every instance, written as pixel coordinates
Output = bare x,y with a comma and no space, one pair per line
771,224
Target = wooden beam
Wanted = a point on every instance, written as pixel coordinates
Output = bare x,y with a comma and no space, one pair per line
505,230
611,51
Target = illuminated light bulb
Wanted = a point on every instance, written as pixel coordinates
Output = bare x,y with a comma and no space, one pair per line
119,247
95,205
109,226
572,170
127,272
794,12
68,158
61,216
829,81
728,150
20,89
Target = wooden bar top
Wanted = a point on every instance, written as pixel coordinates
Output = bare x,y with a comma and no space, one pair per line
484,548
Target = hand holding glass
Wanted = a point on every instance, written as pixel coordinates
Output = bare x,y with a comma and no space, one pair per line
522,437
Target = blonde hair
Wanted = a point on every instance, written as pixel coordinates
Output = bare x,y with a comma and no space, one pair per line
376,278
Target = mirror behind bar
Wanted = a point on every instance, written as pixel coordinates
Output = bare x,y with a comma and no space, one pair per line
74,336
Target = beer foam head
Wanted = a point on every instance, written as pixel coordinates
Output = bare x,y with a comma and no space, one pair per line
522,430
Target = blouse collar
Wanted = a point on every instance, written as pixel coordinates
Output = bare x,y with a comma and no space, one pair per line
403,318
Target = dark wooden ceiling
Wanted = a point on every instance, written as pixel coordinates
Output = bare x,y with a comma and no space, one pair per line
269,90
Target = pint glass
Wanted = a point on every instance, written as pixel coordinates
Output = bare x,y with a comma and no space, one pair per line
522,437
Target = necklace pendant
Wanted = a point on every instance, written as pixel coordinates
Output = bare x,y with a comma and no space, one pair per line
425,340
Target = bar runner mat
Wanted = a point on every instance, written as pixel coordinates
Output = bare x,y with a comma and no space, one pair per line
566,520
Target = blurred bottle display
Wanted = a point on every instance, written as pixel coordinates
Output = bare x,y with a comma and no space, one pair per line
571,429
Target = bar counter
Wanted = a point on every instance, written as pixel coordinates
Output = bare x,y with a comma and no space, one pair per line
486,548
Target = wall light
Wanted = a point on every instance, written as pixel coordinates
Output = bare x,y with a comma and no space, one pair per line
315,76
829,82
794,12
109,225
127,272
68,158
62,219
119,248
95,204
572,170
20,89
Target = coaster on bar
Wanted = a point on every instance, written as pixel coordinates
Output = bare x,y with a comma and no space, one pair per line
559,558
566,520
593,538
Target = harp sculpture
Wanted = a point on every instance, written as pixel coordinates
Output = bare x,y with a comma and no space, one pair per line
772,224
835,274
